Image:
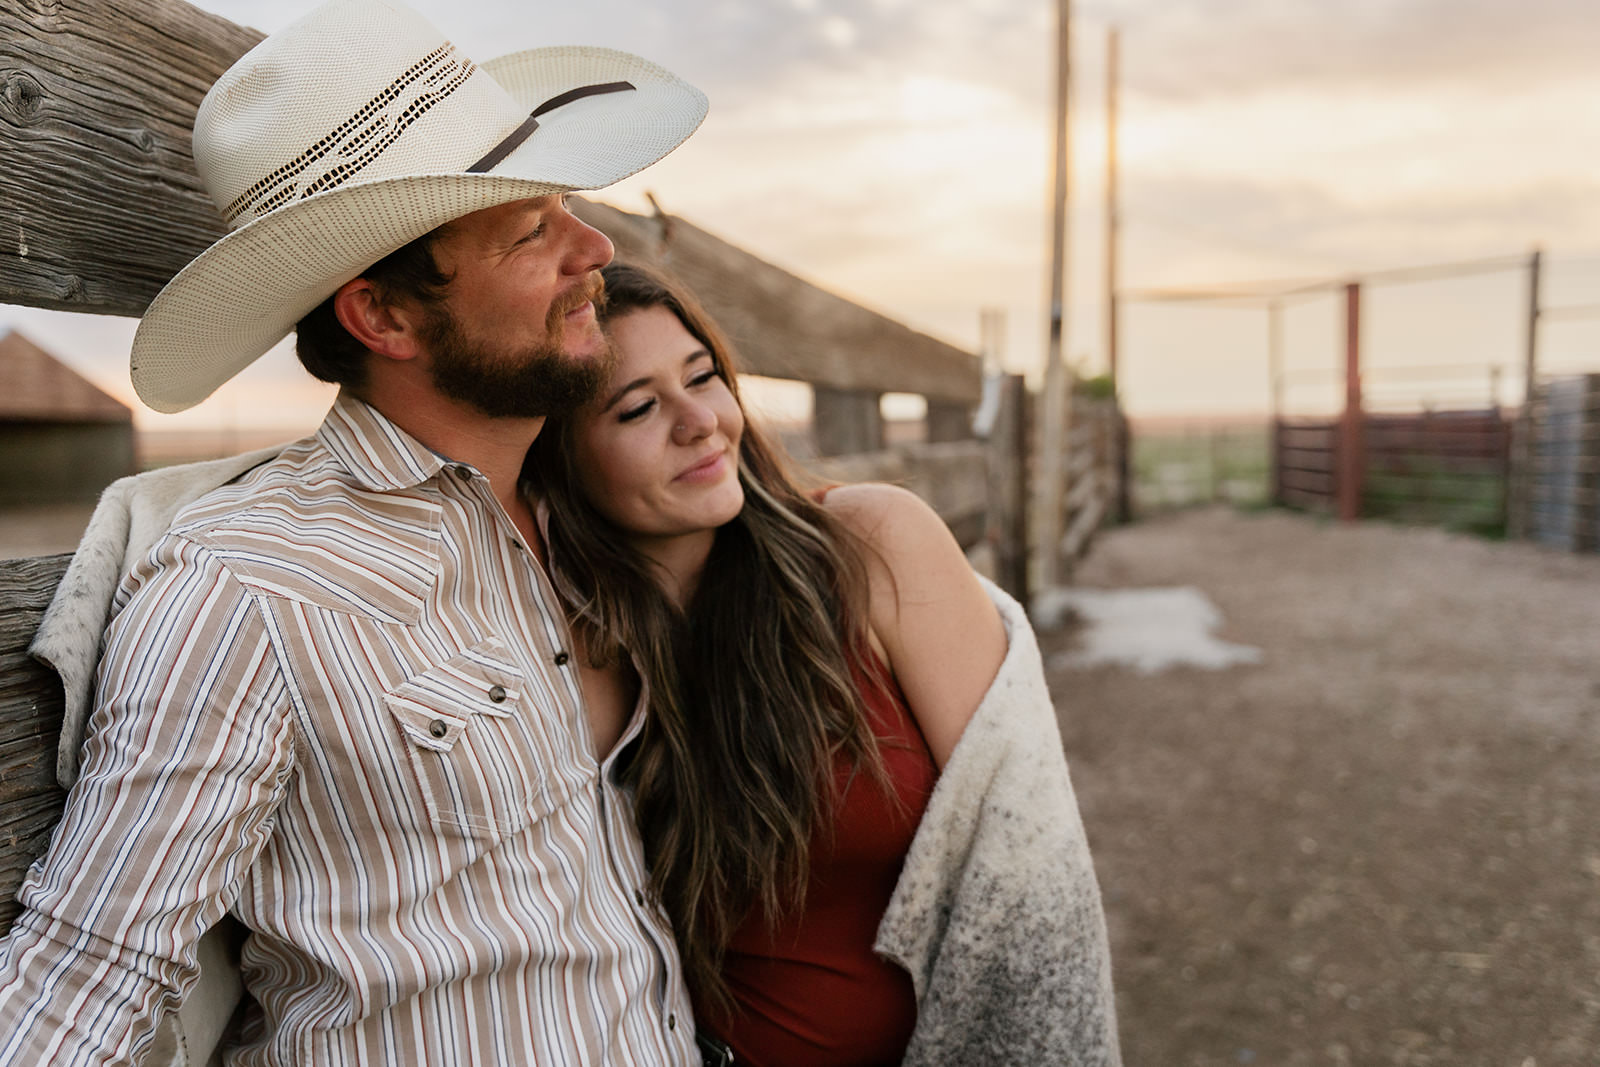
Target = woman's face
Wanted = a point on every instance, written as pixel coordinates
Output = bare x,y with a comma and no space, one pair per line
659,452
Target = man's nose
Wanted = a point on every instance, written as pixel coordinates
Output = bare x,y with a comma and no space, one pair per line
587,248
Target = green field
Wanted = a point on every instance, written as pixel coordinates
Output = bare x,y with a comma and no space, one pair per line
1183,466
1186,466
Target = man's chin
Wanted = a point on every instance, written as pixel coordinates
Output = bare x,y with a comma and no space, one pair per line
590,346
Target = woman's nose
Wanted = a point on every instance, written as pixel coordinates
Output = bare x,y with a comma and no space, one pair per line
695,421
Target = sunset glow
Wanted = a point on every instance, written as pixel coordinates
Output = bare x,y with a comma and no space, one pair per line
898,154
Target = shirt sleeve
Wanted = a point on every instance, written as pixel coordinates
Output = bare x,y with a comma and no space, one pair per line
187,758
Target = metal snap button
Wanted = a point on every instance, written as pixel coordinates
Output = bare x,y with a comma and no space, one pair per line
497,693
464,473
438,728
561,659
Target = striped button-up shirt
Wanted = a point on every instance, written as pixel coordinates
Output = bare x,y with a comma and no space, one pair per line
336,702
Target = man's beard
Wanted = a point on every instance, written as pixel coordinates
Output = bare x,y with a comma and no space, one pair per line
531,382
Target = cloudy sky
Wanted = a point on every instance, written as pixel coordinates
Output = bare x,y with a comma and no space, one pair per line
897,152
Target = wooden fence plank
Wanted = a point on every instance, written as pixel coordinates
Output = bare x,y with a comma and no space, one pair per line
1307,500
30,722
1309,437
99,201
1306,459
1308,482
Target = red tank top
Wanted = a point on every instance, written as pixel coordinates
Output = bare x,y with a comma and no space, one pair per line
812,991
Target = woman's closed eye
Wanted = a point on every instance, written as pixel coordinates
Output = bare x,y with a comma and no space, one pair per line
637,411
704,377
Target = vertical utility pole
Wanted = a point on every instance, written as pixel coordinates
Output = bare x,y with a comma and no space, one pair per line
1351,453
1113,221
1052,461
1519,489
992,339
1124,442
1275,386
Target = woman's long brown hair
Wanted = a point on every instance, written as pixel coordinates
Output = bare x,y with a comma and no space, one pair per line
750,686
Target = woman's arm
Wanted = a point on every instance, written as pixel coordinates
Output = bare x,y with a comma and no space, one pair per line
940,634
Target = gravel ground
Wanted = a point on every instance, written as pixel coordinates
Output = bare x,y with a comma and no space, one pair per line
1379,846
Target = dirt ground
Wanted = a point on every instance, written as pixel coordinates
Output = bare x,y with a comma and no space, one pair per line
1379,846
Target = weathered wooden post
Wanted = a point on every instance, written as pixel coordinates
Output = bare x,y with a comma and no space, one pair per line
1519,485
948,421
1351,453
846,421
1275,391
31,703
1007,522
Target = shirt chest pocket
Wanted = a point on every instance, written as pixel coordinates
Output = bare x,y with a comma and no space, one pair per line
486,754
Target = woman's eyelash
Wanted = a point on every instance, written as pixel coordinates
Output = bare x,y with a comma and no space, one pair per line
636,412
703,377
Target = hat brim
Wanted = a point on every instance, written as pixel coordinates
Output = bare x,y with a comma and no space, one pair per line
242,295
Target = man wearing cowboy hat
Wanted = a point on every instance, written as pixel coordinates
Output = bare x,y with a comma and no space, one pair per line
337,700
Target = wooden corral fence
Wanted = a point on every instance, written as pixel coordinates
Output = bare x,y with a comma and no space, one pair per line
1445,468
1558,502
102,206
1094,471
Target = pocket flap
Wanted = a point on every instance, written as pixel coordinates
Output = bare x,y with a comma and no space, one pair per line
436,706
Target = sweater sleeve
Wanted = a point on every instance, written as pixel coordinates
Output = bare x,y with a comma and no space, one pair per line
188,753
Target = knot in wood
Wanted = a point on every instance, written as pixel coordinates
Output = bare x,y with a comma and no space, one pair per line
21,96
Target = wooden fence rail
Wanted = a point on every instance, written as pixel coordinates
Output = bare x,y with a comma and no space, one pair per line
1447,468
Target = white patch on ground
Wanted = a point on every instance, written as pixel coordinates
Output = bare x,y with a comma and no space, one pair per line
1148,630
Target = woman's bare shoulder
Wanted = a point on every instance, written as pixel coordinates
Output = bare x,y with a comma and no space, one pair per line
891,519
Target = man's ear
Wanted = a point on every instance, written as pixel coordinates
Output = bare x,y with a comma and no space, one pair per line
385,328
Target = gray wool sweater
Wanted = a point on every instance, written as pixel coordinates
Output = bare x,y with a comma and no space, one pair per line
997,912
996,916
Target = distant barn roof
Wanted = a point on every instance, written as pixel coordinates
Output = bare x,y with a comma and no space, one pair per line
36,386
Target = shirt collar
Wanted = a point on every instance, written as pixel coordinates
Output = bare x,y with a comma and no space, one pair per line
380,455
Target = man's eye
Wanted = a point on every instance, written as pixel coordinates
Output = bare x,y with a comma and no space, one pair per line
638,411
533,234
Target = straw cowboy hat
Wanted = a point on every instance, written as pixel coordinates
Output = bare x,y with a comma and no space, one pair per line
357,130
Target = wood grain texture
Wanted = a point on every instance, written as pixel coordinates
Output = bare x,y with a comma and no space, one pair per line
99,201
785,327
30,720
